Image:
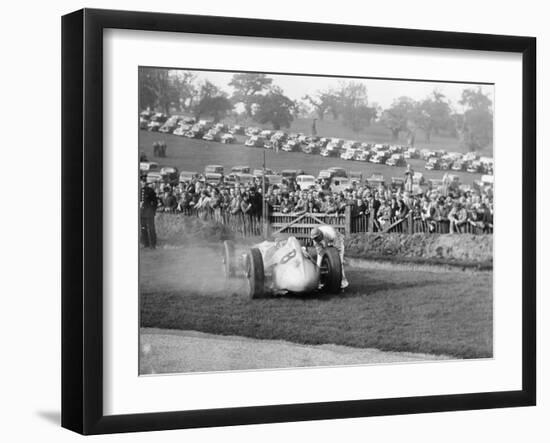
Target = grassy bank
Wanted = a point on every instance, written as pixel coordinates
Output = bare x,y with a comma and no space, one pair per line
416,311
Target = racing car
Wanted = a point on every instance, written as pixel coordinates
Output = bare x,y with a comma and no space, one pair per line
284,266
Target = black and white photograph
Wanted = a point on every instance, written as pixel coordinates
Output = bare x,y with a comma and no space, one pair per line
289,220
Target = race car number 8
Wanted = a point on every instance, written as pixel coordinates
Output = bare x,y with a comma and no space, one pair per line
288,257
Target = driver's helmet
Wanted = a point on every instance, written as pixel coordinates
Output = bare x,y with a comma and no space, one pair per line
316,235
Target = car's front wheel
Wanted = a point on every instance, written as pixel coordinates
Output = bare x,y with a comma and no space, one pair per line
254,266
331,270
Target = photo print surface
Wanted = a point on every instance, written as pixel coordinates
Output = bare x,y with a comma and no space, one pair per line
295,221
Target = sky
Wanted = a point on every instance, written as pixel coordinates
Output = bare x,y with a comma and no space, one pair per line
382,92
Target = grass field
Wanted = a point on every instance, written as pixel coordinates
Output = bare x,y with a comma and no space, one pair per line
428,311
192,155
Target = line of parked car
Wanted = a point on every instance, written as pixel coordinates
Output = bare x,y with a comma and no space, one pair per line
335,179
377,153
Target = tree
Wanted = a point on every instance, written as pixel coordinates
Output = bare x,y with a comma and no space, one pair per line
184,84
155,89
275,108
162,88
477,125
323,102
432,114
212,102
353,105
248,87
396,117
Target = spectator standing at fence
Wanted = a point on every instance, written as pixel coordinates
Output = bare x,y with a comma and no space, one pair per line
286,205
169,201
402,209
409,178
360,207
325,236
457,218
384,215
246,206
184,203
235,207
301,205
147,210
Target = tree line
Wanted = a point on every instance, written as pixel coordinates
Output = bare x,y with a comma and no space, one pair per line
256,97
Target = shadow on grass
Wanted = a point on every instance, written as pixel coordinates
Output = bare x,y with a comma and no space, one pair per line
363,290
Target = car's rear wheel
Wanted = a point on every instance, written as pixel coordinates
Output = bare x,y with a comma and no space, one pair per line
331,270
229,259
255,273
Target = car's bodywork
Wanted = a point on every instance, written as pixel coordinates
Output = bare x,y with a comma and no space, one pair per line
279,267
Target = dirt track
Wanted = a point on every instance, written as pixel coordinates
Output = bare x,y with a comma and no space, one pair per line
171,351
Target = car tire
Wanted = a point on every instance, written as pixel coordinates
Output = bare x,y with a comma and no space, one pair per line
255,273
229,259
331,270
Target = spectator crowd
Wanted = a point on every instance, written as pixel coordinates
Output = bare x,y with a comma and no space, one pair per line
386,204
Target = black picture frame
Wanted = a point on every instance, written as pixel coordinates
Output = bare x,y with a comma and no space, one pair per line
82,218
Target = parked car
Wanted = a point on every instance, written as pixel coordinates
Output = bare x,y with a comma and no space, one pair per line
433,164
170,125
475,167
188,176
260,172
333,148
325,174
169,175
143,122
182,129
154,126
250,131
156,121
348,154
459,165
311,148
275,180
356,177
412,153
148,166
196,131
267,133
340,184
213,135
291,145
240,169
222,127
256,141
306,182
397,183
244,179
213,178
216,169
237,130
206,125
291,174
376,179
396,160
470,156
227,139
380,157
154,177
146,114
364,155
445,164
338,172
